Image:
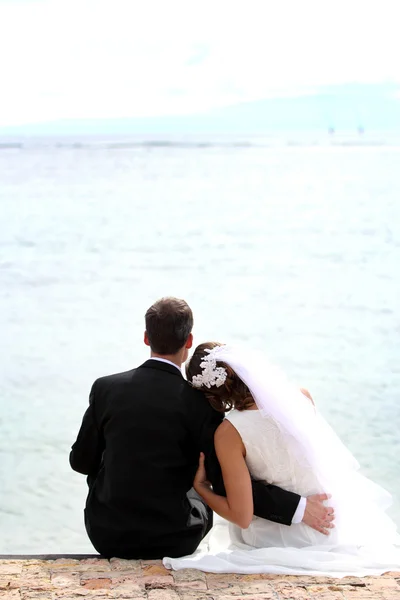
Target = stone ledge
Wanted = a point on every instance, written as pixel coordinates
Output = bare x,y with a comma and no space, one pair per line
71,577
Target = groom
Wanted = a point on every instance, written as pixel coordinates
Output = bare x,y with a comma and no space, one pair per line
139,445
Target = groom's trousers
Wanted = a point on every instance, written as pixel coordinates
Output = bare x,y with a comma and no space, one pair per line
200,521
201,511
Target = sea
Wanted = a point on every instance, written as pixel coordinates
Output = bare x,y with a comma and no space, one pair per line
289,244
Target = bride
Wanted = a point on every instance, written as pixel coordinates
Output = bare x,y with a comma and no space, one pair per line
274,433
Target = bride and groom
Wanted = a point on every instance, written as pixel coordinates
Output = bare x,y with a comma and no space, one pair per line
148,436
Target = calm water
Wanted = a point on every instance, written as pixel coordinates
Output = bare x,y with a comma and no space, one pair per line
294,249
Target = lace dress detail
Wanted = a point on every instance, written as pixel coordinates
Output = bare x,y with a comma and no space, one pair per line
269,459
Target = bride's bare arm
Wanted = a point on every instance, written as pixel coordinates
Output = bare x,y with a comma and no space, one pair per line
237,507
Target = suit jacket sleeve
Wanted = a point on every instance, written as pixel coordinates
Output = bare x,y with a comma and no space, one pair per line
203,421
87,451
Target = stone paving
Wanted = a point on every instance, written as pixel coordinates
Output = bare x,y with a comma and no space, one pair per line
71,579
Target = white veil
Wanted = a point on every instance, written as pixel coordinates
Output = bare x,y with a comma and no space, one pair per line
306,434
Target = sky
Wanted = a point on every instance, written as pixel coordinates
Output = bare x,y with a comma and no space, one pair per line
68,59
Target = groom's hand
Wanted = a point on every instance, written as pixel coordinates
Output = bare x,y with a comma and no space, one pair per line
317,515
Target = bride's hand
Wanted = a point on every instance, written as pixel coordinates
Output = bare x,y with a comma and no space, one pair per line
200,479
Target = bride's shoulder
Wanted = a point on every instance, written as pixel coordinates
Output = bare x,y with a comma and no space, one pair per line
227,434
233,423
228,424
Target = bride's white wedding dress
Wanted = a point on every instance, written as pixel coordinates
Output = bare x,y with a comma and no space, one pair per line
364,541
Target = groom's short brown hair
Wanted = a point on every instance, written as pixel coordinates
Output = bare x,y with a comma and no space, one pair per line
169,322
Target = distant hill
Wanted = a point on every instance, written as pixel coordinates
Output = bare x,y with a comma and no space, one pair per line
343,108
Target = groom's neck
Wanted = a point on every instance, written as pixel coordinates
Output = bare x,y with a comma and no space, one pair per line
177,359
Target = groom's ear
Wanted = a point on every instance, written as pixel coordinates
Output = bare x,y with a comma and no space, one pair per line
146,339
189,341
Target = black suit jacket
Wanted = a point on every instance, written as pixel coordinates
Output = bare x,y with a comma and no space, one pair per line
139,445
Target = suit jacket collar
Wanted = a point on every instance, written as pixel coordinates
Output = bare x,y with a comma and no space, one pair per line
161,366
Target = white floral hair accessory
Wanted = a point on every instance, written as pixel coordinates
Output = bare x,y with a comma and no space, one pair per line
211,374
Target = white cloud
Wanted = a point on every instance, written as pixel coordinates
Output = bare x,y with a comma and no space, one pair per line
81,58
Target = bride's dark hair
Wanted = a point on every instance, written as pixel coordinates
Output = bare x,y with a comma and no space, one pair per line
232,394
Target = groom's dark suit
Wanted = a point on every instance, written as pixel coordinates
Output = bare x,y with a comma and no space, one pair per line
139,444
